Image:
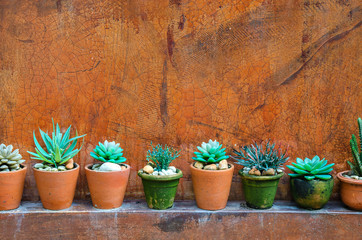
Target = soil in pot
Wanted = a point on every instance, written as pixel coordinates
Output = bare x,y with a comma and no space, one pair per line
160,191
259,191
11,188
56,189
351,191
211,187
311,194
107,189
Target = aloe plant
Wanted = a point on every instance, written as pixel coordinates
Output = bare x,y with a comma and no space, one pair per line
356,166
311,168
210,152
59,148
261,156
108,152
162,156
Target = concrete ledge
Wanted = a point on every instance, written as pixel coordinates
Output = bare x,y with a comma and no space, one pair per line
184,221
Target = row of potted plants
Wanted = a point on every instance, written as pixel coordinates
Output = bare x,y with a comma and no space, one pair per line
56,176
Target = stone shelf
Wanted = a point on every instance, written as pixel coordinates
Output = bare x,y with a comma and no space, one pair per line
134,220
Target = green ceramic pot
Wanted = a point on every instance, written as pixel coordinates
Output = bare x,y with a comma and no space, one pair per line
160,191
259,191
311,194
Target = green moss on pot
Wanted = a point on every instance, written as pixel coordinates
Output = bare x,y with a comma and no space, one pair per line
311,194
160,191
259,191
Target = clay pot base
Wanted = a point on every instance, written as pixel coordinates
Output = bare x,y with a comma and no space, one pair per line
259,191
107,189
351,191
56,189
160,191
211,187
11,188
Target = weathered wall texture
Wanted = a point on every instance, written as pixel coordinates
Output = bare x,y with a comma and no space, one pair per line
181,72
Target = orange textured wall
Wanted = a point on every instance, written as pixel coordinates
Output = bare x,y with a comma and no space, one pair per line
181,72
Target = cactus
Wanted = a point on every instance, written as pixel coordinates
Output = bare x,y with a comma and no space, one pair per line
108,152
311,169
162,156
210,152
261,156
9,160
356,166
59,148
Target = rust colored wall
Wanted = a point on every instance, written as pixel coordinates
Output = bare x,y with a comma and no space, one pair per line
181,72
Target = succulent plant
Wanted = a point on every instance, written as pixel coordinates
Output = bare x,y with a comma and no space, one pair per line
210,152
261,156
162,156
9,160
311,169
356,166
108,152
59,148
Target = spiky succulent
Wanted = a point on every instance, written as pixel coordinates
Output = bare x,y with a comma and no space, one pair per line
210,152
162,156
356,166
59,148
108,152
311,169
9,160
261,156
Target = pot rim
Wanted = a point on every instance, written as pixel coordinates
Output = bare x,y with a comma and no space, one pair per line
213,171
23,169
161,178
315,179
259,178
348,180
91,170
74,169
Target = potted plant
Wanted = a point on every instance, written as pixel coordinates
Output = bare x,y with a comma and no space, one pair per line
12,176
311,183
261,173
56,177
159,180
351,181
211,176
107,181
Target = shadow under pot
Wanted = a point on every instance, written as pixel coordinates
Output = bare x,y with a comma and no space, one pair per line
107,189
259,191
160,191
211,187
56,189
311,194
11,188
351,191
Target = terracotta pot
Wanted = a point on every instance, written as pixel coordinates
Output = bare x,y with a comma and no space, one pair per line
259,191
311,194
160,191
351,191
107,189
211,187
56,189
11,188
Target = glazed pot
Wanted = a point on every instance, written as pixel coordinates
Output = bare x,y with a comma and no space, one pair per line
160,191
259,191
311,194
107,189
351,191
11,188
211,187
56,189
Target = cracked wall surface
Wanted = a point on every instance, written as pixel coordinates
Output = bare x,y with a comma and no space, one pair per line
181,72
